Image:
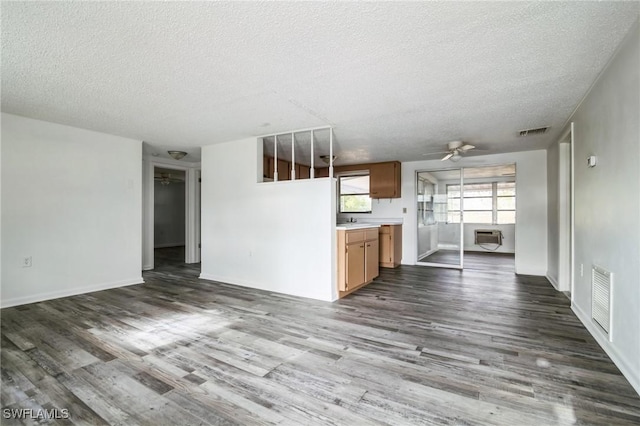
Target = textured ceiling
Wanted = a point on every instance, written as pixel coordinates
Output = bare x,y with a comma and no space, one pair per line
394,79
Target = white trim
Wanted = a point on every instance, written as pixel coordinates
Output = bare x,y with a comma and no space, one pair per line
428,253
269,135
69,292
618,359
197,224
564,217
191,239
148,195
167,245
533,272
171,162
572,214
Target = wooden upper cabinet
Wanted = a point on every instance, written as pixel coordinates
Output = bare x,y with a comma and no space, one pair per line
284,170
302,171
267,167
322,172
385,180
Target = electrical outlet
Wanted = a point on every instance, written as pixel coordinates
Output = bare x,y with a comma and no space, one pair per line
27,262
404,210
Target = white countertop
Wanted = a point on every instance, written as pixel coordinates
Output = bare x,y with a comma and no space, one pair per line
356,225
369,223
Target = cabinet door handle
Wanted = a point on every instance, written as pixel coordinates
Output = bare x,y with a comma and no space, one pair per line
362,246
368,245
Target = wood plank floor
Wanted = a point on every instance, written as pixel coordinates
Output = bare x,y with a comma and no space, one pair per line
417,346
474,259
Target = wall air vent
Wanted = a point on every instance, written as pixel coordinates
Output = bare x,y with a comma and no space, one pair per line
601,289
532,132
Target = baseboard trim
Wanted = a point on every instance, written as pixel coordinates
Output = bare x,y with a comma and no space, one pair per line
225,280
618,359
147,267
17,301
427,253
167,245
553,281
534,272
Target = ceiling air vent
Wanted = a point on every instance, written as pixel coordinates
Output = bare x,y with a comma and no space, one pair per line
531,132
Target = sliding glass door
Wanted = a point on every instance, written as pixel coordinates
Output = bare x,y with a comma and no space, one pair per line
440,222
472,208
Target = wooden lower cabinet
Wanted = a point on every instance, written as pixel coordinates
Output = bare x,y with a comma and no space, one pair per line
371,263
355,265
390,245
358,258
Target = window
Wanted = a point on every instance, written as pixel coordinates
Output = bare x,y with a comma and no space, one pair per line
354,194
491,203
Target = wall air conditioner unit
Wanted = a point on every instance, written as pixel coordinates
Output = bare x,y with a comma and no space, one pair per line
488,236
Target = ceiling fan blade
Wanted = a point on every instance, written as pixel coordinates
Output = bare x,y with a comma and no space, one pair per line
446,157
465,148
435,153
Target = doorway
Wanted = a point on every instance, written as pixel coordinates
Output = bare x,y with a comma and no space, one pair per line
169,220
466,217
186,175
440,236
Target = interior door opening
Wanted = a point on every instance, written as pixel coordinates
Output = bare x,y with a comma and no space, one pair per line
466,217
169,218
440,239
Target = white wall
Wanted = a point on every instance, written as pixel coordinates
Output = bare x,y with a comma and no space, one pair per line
71,199
508,238
169,214
273,236
607,202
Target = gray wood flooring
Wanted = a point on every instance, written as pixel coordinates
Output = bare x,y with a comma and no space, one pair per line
417,346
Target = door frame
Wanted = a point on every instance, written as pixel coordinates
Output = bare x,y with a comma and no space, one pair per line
460,265
565,212
192,209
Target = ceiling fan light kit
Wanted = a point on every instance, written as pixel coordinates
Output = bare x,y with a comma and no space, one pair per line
456,149
326,160
177,155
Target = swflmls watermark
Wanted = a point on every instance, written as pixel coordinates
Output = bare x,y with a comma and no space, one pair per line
37,414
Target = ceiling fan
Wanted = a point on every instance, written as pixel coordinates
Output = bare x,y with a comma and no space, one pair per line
454,152
165,178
